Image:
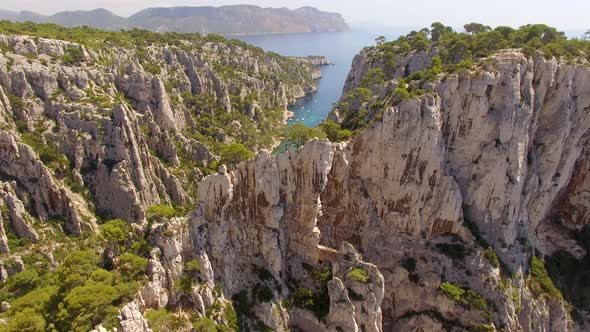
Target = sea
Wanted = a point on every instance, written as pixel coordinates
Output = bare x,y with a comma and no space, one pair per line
339,47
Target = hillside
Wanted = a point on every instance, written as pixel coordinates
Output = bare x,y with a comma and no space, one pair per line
226,20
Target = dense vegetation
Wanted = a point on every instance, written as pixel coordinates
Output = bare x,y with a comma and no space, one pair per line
316,301
477,42
359,275
101,273
84,291
540,282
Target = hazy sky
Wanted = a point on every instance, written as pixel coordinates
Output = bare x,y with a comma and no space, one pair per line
564,14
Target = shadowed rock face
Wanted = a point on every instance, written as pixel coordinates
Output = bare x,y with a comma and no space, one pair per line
231,20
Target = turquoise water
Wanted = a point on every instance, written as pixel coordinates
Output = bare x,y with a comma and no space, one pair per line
339,47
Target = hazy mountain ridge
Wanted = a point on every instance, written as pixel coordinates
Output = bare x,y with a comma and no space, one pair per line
238,19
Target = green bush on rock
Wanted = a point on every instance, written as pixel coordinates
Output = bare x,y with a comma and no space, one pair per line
540,282
492,257
160,211
298,134
358,275
452,291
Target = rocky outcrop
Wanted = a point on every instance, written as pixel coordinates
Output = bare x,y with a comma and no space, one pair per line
21,222
47,197
262,217
132,320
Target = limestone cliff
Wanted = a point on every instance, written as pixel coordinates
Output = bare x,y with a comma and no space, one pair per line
490,156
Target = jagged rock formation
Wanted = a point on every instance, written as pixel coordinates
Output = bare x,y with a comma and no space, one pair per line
230,20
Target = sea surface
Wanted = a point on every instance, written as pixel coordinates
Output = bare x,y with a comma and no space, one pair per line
339,47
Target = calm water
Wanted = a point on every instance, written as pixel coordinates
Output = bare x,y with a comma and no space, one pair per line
339,47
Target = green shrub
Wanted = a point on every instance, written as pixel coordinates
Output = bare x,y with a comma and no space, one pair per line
361,95
481,327
23,282
39,300
184,284
160,211
264,275
16,102
316,302
264,293
163,321
374,76
455,251
358,275
87,306
102,276
231,317
540,282
132,267
322,275
152,68
470,298
334,132
116,232
47,152
27,320
492,257
73,55
474,300
192,266
204,324
298,134
452,291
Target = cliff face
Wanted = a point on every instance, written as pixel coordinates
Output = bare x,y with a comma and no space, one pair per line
500,149
514,140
